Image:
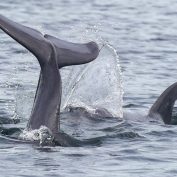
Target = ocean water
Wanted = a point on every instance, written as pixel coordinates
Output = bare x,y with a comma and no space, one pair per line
142,36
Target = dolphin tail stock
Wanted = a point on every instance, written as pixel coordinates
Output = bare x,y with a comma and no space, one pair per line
164,104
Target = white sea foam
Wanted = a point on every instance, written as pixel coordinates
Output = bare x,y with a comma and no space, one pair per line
43,135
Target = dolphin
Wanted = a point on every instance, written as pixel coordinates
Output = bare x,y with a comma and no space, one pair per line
163,107
52,54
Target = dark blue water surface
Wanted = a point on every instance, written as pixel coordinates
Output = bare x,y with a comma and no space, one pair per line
144,34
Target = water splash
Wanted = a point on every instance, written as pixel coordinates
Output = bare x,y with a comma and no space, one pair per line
97,84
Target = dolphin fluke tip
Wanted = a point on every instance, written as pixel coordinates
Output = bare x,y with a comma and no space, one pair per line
94,49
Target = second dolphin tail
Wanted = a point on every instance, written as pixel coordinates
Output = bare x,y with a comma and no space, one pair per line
164,104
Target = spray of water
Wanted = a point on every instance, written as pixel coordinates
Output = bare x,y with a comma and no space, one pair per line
97,84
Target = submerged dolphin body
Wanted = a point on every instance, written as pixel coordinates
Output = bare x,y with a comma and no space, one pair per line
163,107
51,53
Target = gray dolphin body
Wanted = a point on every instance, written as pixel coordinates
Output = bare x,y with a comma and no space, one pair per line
163,107
52,54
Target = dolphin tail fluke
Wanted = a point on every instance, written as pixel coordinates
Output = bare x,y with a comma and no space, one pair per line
69,53
164,104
